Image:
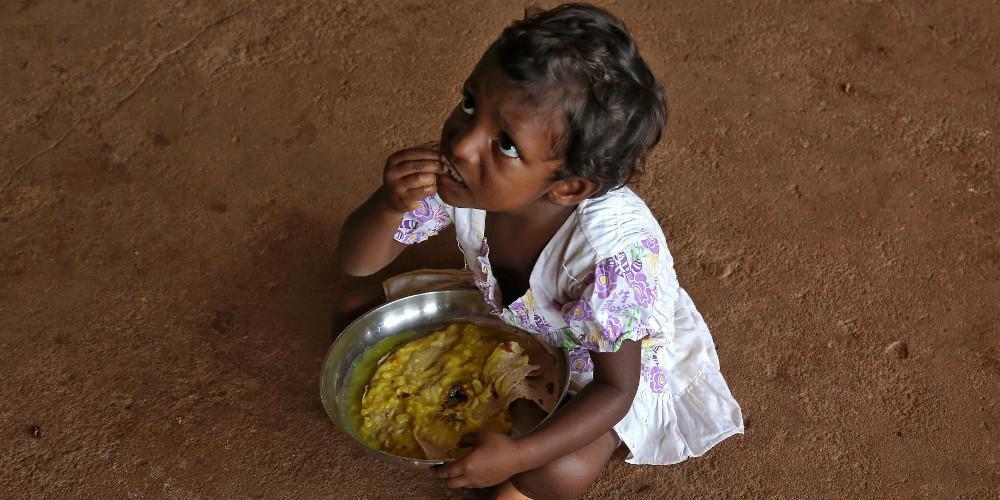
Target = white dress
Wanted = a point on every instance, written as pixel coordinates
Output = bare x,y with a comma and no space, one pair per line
604,277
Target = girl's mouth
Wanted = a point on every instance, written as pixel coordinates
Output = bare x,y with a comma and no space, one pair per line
455,175
453,172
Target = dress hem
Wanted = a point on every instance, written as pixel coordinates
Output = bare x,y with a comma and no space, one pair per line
722,437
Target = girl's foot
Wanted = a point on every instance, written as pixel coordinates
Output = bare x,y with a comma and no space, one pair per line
507,491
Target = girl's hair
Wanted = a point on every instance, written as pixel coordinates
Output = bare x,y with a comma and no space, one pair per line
615,110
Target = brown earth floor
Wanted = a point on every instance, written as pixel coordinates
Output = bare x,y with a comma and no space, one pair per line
173,176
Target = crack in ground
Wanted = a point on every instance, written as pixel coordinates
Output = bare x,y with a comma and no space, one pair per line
120,102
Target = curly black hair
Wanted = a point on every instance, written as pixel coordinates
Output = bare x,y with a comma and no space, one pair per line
614,107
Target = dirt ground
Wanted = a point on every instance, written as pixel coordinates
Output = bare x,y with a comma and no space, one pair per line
173,176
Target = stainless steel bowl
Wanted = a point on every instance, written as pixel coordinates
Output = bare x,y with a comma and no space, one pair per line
423,313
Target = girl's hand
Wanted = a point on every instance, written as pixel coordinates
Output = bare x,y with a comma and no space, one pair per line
411,175
494,459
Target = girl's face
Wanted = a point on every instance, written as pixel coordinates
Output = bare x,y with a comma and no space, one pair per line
500,144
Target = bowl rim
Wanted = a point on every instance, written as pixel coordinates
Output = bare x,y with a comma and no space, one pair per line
328,405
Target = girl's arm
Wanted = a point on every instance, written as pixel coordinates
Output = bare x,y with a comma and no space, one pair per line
592,412
587,416
366,244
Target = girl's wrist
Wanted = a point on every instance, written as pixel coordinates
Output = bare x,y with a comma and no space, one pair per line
384,205
527,457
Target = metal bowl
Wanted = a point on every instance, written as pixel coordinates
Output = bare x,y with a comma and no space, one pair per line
423,313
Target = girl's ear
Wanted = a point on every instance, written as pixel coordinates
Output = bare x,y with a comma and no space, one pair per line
571,191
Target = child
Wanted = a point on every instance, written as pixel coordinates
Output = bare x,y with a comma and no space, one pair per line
554,120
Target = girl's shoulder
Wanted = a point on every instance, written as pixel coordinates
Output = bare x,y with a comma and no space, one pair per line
615,221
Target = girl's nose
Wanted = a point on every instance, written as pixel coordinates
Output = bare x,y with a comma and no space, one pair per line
467,143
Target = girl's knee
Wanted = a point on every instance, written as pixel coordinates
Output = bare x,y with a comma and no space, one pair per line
571,475
546,487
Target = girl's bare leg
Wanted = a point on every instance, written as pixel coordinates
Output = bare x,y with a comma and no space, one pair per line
567,477
506,491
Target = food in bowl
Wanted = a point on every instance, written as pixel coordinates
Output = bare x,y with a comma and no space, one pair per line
426,393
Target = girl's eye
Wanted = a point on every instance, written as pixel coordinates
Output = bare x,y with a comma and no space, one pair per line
507,147
468,105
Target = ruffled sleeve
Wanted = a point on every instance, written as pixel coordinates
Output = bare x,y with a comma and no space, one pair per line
617,299
424,221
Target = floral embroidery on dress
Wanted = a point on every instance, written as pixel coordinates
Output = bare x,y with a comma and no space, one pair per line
522,313
518,312
428,219
580,311
484,278
612,329
541,323
657,379
605,277
652,371
618,302
579,360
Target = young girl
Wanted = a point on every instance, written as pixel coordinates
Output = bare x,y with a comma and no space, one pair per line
554,120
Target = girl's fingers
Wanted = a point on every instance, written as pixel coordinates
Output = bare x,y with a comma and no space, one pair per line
413,197
414,154
415,167
411,175
415,181
470,439
459,482
453,469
